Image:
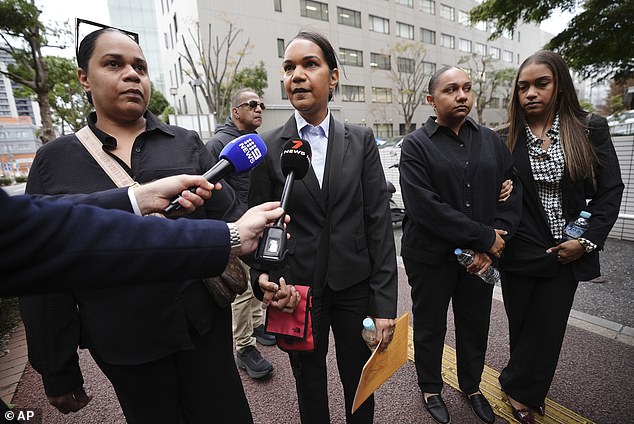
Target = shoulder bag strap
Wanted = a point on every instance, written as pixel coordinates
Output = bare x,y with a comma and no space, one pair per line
114,170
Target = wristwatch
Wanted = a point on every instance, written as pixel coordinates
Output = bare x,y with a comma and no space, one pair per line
587,244
234,238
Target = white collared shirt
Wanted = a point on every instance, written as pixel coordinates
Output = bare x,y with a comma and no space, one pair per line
317,137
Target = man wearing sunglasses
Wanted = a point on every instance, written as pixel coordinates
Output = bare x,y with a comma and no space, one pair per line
245,118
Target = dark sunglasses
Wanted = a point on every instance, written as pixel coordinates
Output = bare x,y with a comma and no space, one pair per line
253,104
80,21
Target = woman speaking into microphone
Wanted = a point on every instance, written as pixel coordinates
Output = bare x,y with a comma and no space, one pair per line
342,243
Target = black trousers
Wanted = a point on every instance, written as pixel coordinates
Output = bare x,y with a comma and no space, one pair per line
433,286
538,310
344,311
201,385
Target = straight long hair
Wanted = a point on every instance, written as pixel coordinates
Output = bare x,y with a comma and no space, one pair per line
581,158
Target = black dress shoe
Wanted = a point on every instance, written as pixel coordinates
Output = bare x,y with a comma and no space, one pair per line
482,408
524,416
437,409
541,410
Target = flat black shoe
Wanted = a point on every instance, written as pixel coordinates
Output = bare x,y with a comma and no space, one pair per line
482,408
437,409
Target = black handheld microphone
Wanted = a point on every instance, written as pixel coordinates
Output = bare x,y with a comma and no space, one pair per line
295,162
238,156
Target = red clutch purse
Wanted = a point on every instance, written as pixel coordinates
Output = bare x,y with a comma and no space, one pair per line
294,331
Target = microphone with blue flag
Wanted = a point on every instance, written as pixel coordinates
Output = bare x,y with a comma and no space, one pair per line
238,156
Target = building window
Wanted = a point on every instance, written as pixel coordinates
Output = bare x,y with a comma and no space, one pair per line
380,61
507,56
314,9
447,12
496,103
428,36
429,68
352,93
405,64
348,17
175,26
481,25
448,41
405,30
383,130
428,6
495,53
277,5
381,95
481,49
351,57
403,131
463,18
280,47
408,3
185,112
180,69
378,24
283,91
464,45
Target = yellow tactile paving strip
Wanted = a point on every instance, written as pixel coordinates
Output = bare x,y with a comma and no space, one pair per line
555,413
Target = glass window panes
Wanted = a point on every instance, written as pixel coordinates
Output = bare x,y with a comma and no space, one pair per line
378,24
507,56
428,36
463,17
280,47
428,6
482,25
405,64
383,130
464,45
494,52
447,12
381,95
429,68
351,57
348,17
404,30
314,9
277,4
448,41
408,3
380,61
284,95
352,93
481,49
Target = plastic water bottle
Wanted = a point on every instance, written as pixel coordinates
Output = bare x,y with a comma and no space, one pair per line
369,332
465,256
575,229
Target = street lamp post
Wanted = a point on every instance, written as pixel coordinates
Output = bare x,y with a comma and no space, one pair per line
197,83
174,92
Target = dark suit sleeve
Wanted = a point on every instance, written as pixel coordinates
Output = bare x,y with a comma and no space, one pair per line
51,246
508,213
606,200
379,233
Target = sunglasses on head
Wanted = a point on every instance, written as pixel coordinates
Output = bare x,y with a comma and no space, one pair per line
253,104
79,37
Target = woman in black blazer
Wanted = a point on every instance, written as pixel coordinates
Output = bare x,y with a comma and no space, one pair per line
342,242
563,156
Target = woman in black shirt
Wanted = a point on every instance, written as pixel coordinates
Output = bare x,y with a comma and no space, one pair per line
451,173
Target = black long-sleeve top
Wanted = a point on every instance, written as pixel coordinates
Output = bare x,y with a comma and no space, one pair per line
126,325
450,185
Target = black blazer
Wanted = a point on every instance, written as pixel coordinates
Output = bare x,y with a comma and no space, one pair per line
526,251
342,234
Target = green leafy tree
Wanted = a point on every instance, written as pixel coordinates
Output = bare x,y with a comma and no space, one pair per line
488,82
23,38
409,77
67,99
158,103
253,77
597,42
